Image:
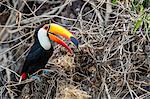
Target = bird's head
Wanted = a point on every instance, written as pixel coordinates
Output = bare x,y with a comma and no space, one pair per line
50,32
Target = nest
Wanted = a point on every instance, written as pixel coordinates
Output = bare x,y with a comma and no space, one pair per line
112,60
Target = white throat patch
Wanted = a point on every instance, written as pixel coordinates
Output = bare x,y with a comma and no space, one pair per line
43,39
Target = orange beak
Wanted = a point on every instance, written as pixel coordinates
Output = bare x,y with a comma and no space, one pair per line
59,30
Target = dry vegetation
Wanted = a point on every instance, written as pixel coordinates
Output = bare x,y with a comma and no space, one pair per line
113,59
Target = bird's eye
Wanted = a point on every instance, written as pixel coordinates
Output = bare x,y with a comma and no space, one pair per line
46,27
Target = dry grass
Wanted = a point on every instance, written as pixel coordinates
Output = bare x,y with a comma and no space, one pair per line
113,59
72,93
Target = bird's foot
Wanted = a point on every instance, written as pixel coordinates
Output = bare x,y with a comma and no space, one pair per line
35,77
45,72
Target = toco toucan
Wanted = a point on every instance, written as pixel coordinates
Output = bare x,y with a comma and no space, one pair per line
42,48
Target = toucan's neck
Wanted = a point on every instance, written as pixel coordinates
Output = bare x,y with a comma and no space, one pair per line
43,39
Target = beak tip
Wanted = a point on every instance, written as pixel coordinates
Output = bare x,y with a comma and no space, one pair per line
75,41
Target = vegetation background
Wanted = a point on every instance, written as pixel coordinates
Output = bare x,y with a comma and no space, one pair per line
113,59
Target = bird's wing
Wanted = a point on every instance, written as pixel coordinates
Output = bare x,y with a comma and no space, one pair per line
31,58
34,55
35,58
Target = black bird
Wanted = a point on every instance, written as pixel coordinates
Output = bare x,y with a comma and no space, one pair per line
42,48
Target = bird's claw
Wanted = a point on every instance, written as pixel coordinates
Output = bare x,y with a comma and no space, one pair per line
36,78
45,72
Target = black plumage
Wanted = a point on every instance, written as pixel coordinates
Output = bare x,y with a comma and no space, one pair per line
37,57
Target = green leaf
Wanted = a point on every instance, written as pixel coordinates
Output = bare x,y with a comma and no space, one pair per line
114,1
148,17
141,9
148,20
137,24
